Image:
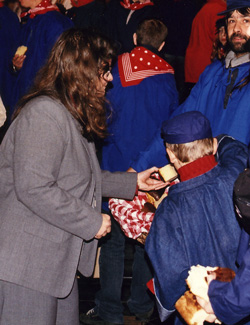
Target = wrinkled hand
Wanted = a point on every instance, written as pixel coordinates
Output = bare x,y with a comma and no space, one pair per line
208,309
105,227
18,60
145,183
206,305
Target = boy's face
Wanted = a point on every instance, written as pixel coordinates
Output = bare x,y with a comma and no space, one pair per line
238,29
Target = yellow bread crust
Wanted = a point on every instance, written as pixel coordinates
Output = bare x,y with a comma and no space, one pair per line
168,173
21,50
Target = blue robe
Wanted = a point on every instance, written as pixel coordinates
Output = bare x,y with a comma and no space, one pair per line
9,34
39,35
137,113
196,224
228,114
231,301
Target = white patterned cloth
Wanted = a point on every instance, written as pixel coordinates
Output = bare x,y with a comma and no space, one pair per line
132,220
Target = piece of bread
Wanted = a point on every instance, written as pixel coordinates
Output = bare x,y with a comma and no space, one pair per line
190,310
153,200
157,203
197,280
187,305
148,207
168,173
21,50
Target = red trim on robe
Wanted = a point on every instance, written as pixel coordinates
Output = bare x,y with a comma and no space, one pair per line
197,168
150,285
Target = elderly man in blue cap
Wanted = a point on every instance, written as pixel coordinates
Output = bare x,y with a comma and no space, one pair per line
196,222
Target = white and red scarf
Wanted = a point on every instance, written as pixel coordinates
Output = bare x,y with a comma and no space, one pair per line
135,5
40,9
79,3
139,64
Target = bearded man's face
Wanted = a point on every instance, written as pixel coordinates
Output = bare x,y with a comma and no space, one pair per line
238,30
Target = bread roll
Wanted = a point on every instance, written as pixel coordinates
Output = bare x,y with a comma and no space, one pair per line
168,173
190,310
21,50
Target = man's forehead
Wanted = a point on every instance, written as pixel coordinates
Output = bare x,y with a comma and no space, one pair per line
236,13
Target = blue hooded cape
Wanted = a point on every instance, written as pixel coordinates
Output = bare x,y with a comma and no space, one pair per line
196,224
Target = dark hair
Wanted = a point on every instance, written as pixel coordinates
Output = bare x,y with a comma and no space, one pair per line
75,64
244,11
220,23
151,32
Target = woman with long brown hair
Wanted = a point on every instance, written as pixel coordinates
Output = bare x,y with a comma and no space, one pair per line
51,184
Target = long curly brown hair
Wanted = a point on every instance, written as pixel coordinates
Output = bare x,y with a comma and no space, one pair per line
75,65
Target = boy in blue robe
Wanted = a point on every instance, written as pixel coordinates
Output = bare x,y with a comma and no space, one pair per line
196,223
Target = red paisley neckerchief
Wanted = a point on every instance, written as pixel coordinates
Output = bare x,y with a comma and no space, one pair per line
40,9
139,64
1,4
135,5
79,3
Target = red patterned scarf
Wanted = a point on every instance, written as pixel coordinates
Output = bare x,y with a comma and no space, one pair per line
139,64
79,3
1,4
43,7
135,5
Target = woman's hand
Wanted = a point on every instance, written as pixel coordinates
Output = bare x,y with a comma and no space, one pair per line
146,183
105,227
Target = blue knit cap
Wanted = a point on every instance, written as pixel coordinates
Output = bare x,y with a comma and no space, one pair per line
186,127
234,5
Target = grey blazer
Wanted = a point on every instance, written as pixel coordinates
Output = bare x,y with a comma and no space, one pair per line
50,199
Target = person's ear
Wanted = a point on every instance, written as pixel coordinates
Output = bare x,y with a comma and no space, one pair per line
161,46
215,145
135,39
171,155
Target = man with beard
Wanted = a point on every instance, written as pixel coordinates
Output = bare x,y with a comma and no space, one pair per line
222,92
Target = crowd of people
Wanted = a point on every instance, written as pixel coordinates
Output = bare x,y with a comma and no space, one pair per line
103,95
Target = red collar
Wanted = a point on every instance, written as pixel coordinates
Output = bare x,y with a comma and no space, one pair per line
136,5
79,3
40,9
1,4
197,168
139,64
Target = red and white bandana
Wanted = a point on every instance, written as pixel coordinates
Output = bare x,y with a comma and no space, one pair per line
136,5
79,3
139,64
40,9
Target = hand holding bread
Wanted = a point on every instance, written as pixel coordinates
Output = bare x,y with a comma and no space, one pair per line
19,57
194,305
